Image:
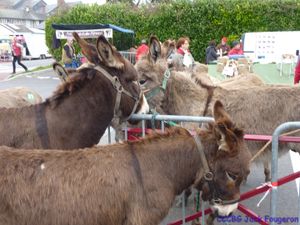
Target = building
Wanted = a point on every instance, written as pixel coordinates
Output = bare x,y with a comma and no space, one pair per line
31,13
23,12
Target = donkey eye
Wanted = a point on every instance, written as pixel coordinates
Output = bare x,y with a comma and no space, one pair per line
231,176
142,82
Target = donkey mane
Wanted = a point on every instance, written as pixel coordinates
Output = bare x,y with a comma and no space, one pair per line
76,82
173,132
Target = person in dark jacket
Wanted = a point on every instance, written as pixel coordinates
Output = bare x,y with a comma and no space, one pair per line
211,52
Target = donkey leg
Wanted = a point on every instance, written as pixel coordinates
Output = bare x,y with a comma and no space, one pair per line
267,171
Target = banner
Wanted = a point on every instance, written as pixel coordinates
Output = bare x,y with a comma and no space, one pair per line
95,33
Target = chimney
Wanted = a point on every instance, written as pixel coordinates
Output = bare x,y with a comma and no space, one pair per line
60,3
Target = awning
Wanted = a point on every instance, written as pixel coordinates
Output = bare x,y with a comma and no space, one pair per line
64,31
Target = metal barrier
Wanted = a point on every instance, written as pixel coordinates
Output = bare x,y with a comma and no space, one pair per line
129,55
275,182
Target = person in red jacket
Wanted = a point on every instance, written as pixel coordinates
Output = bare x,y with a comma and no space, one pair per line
17,54
141,50
236,50
297,71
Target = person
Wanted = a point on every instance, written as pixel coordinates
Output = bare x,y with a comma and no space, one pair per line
211,52
183,57
236,50
223,47
141,50
297,70
68,54
17,54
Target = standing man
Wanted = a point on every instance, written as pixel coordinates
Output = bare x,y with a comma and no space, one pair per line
141,50
17,54
68,54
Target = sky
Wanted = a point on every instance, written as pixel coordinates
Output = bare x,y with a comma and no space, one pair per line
49,2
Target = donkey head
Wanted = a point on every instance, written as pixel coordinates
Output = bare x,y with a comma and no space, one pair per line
106,63
228,161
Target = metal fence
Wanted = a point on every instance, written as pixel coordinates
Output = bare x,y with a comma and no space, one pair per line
129,55
263,188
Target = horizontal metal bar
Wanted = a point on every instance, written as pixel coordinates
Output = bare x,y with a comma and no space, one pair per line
251,214
257,137
196,119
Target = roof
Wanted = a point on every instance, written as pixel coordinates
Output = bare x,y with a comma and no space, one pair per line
21,14
13,29
27,3
90,27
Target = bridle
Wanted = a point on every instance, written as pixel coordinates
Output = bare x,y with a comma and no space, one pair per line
159,88
120,90
162,88
209,176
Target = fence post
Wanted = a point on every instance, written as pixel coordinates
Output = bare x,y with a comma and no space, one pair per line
274,169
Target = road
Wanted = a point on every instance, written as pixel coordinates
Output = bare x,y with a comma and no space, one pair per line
6,67
45,82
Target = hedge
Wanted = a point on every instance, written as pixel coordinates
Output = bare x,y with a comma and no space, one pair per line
201,20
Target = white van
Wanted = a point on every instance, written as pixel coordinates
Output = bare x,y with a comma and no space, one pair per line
36,45
269,47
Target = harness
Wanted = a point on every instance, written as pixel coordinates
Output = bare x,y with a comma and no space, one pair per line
208,176
120,90
154,91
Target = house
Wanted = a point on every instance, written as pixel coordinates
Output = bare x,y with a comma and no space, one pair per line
23,12
31,13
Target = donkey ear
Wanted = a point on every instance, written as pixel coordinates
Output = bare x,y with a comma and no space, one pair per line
219,112
154,48
171,49
226,133
87,49
61,72
220,130
108,55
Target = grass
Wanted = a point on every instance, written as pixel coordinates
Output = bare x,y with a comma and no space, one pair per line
270,73
40,68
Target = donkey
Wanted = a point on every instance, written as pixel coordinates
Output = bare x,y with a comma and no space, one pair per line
80,110
258,110
132,183
18,97
199,71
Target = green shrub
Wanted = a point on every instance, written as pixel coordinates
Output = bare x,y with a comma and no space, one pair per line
201,20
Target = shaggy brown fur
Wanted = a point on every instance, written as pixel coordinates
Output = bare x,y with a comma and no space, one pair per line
258,110
121,184
18,97
78,113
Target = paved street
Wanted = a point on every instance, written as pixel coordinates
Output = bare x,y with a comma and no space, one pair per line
6,67
45,82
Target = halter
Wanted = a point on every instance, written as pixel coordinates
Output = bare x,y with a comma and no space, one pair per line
154,91
208,175
120,90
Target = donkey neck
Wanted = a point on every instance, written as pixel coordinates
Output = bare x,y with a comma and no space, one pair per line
177,160
183,96
81,115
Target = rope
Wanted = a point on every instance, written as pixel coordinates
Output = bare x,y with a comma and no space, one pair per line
267,144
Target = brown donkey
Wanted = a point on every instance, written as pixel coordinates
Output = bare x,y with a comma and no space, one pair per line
258,110
80,110
133,183
17,97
